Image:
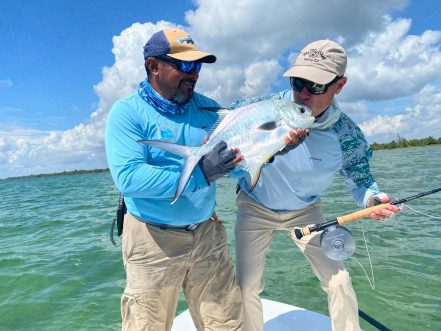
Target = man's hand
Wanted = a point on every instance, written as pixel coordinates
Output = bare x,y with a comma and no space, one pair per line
292,140
219,161
383,213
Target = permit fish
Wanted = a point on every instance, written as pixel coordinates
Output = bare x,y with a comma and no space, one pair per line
257,129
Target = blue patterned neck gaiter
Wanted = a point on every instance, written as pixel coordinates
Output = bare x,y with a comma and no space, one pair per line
149,95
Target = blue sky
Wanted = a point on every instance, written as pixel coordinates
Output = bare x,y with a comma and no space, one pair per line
64,63
56,50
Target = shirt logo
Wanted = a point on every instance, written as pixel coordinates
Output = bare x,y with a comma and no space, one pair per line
166,134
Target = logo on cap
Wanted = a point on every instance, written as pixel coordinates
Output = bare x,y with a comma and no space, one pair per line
187,40
314,55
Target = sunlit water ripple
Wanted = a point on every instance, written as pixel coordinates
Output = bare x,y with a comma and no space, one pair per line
59,271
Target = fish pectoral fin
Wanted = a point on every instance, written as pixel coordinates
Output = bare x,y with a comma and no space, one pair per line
268,126
254,170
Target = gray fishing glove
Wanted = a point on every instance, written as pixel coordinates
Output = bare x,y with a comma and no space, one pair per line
218,162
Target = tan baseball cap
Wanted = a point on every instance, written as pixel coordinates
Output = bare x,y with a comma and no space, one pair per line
319,62
177,44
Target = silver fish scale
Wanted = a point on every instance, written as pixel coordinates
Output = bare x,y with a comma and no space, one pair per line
242,128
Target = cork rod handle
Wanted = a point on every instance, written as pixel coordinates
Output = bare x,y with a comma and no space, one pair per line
360,214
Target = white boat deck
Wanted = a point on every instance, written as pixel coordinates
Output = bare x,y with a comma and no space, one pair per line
277,317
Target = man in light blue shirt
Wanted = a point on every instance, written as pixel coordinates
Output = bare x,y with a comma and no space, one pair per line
287,194
166,246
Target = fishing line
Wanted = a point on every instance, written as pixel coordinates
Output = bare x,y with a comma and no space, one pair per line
421,213
371,283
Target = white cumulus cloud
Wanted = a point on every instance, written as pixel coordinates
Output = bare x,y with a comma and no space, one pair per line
255,41
419,121
392,64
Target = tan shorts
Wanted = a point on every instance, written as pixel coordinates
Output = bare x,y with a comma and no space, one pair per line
160,262
255,227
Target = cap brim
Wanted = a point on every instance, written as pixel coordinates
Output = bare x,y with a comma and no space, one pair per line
194,56
312,74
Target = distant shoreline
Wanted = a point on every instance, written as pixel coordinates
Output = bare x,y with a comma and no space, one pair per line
74,172
403,143
399,143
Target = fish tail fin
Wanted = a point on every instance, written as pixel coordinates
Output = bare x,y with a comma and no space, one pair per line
181,150
191,156
254,170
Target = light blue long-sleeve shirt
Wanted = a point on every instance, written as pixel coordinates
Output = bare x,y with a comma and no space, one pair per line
148,176
297,179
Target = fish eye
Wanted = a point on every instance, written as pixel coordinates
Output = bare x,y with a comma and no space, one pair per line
302,110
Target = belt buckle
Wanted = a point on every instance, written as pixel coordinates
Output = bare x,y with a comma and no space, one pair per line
192,227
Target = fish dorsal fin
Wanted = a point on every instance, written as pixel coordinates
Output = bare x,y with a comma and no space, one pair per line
212,109
268,126
222,112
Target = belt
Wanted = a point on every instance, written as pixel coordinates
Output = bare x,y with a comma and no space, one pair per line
162,226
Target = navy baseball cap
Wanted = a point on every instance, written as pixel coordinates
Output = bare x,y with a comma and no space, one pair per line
176,44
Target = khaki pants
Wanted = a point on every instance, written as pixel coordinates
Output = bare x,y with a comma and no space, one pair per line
159,263
254,230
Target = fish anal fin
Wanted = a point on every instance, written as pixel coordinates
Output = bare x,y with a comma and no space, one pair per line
254,170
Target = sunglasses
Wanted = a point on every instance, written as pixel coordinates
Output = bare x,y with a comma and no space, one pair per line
184,66
298,84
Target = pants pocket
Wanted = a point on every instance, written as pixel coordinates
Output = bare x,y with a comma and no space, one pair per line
133,310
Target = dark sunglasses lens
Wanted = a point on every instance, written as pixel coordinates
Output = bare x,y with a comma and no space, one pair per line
198,66
184,66
318,89
299,84
296,84
188,66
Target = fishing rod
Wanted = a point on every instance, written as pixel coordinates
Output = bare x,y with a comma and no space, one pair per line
300,233
372,321
338,244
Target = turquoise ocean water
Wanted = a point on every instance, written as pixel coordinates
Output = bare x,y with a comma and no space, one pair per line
59,271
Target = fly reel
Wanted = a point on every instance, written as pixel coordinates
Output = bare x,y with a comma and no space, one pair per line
337,243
